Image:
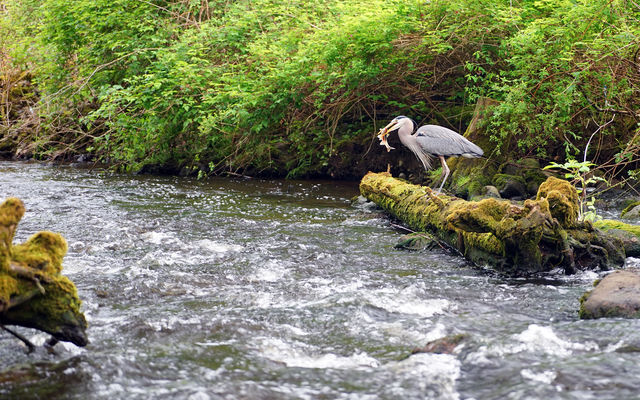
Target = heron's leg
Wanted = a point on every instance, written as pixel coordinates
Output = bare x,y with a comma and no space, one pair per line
445,172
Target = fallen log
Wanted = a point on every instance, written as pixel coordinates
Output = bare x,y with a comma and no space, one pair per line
33,292
542,235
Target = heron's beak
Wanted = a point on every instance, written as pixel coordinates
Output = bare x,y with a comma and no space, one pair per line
385,131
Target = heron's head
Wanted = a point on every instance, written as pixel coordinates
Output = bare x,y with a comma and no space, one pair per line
396,124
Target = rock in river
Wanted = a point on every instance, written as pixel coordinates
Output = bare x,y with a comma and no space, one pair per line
616,295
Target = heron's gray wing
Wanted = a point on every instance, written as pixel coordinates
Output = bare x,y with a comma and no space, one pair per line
441,141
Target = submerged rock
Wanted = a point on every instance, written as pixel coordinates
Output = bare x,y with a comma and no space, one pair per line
33,293
445,345
616,295
417,241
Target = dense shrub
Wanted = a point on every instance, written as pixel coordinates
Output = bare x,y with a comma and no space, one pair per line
292,87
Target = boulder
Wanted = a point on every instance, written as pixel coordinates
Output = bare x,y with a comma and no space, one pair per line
631,212
491,191
628,234
616,295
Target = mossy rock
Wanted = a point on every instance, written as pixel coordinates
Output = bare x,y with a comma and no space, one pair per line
627,233
416,241
468,176
33,293
530,172
631,211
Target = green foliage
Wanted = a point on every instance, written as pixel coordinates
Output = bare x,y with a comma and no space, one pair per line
581,174
290,88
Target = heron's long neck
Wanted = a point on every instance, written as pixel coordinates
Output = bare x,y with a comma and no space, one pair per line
408,140
405,136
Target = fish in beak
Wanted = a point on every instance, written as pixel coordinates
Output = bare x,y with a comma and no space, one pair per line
384,132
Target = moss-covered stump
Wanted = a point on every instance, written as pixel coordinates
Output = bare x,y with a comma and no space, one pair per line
539,236
33,293
616,295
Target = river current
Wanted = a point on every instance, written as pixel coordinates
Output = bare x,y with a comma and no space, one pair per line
253,289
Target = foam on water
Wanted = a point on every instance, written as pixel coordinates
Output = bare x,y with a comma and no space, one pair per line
546,377
538,338
398,332
271,271
433,375
171,323
217,247
406,301
155,237
296,356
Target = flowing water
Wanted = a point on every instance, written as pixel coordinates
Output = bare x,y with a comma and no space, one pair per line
251,289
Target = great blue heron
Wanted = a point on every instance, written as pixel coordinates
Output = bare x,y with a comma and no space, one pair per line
430,141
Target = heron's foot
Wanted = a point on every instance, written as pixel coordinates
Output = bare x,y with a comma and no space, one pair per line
432,195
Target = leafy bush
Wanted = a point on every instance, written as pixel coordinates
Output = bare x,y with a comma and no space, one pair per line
295,87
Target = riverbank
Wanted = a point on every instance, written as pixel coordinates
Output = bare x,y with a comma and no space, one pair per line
299,90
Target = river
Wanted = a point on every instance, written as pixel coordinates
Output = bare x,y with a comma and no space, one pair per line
254,289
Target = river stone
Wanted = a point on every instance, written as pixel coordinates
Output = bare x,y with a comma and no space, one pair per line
491,191
445,345
633,213
416,241
510,186
616,295
630,241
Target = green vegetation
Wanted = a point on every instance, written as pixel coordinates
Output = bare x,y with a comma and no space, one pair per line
580,172
298,88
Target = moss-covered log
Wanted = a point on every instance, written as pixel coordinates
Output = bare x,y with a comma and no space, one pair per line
539,236
33,293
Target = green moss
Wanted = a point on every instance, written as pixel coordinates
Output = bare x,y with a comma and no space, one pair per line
563,200
43,251
31,283
52,312
468,176
11,211
608,224
629,208
8,287
583,313
485,241
499,180
518,239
